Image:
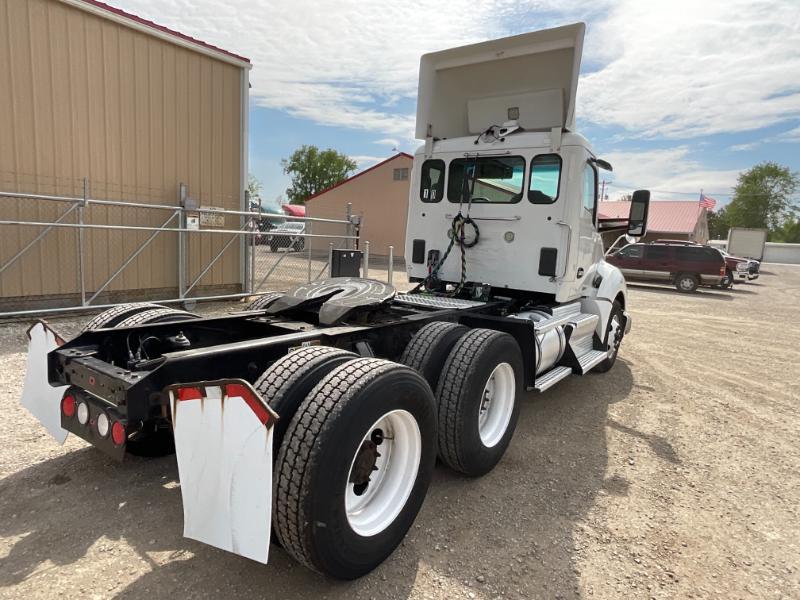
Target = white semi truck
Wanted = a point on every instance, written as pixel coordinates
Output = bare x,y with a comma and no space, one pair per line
319,413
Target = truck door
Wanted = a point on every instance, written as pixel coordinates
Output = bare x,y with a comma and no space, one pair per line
587,231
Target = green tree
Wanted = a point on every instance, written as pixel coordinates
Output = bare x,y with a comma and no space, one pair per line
313,170
254,191
788,233
718,224
762,197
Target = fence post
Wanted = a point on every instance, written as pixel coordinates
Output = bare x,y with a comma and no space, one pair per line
366,260
330,259
80,242
391,264
349,228
307,241
182,194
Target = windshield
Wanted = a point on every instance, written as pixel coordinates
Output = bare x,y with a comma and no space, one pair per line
498,179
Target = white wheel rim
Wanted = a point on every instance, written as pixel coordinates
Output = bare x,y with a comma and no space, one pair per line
497,404
686,283
391,483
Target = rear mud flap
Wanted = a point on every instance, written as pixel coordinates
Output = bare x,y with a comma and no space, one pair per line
223,442
41,399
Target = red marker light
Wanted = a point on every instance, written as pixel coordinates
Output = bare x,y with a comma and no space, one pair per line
118,433
68,406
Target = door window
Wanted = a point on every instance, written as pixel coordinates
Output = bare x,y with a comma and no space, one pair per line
431,187
632,251
589,188
545,179
658,252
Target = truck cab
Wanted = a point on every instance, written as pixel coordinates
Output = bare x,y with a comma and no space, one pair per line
503,165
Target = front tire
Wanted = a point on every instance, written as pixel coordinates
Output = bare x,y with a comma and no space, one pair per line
334,512
478,395
614,334
727,281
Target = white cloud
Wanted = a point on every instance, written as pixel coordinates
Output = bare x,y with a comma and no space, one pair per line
675,69
364,161
670,173
388,142
792,135
743,147
682,69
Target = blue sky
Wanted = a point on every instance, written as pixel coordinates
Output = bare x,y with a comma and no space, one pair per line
678,95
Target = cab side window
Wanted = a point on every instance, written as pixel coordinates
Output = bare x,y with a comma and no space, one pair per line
589,188
431,187
545,179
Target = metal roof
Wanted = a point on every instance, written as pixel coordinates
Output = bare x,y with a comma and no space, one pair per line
667,216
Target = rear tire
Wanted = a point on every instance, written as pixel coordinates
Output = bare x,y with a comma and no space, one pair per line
289,380
686,283
263,301
315,482
482,374
112,316
428,349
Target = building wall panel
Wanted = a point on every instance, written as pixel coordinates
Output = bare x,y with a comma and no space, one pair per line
85,97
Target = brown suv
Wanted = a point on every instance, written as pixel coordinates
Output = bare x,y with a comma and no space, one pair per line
683,265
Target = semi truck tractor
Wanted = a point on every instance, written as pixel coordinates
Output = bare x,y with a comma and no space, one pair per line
314,418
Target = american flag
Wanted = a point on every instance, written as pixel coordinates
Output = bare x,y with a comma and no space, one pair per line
707,202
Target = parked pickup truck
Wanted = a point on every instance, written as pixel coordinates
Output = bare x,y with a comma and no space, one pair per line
743,269
684,265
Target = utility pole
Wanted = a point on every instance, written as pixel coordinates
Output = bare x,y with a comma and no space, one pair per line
603,190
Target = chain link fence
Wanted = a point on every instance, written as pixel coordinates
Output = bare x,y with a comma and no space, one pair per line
79,244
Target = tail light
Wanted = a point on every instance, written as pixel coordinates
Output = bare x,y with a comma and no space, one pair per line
722,271
68,405
117,433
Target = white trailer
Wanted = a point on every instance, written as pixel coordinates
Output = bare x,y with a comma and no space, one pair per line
319,413
747,242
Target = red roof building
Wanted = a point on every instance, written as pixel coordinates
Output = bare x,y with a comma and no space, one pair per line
294,210
673,219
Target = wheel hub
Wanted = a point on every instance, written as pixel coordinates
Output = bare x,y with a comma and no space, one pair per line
365,462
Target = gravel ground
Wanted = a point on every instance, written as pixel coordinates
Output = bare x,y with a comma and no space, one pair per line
675,475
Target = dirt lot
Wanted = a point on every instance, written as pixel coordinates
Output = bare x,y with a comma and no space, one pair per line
675,475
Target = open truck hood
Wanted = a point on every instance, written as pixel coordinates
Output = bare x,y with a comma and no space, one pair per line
463,91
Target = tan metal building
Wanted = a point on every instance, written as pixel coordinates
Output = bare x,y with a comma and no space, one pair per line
89,91
379,195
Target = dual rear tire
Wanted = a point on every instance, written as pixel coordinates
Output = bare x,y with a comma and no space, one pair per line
354,466
477,375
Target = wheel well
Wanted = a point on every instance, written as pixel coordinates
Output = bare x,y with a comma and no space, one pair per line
621,300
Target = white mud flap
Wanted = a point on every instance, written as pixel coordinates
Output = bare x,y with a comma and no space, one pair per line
223,441
41,399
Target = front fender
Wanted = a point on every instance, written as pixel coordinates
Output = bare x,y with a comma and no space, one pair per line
604,285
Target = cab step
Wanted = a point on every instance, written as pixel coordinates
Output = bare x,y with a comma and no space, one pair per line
591,359
552,377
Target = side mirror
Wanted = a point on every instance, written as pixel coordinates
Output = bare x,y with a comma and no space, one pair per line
640,206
